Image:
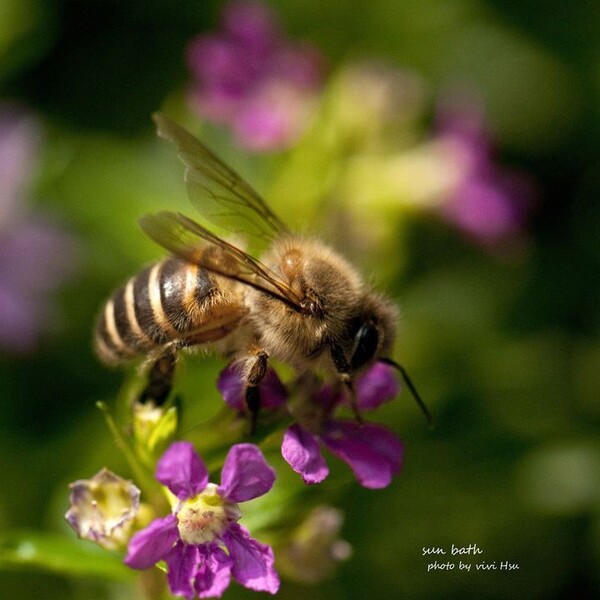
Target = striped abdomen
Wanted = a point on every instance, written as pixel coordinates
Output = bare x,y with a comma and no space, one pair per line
171,301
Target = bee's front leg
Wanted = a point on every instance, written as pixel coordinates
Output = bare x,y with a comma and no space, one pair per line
255,369
344,370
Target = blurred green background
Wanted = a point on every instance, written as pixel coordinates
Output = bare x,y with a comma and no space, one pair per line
502,344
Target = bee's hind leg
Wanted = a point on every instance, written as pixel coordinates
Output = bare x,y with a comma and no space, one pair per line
160,379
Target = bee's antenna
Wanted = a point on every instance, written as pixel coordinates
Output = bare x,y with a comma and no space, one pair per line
412,388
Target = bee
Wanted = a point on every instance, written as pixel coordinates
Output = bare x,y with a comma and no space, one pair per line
302,303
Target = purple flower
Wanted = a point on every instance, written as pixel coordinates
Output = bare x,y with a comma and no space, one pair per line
201,542
488,203
372,451
249,77
232,387
36,255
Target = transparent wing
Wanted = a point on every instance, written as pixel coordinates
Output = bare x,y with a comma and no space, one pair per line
219,193
192,242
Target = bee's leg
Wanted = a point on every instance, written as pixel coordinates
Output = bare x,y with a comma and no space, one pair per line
160,379
342,366
256,373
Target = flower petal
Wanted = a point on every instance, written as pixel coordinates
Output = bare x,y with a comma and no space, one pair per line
301,451
272,391
245,474
182,470
250,77
214,574
103,508
252,561
232,387
326,398
372,451
152,543
375,387
182,561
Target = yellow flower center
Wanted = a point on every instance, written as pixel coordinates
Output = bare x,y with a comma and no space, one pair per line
204,518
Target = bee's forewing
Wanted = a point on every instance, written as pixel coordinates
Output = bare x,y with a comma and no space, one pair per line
217,191
192,242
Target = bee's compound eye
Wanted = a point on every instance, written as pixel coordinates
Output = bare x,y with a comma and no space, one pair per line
366,344
291,263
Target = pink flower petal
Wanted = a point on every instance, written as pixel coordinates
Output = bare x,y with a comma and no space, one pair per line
376,386
233,65
301,451
151,544
252,22
245,474
231,386
214,574
182,471
272,391
263,125
182,561
252,561
372,451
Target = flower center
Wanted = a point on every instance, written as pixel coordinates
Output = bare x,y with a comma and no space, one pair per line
205,517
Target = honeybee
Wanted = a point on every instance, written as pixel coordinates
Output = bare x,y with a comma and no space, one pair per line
302,303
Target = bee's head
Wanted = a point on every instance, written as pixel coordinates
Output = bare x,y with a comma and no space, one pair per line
373,337
373,332
366,344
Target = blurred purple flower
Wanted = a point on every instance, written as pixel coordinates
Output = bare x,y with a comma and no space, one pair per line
251,78
36,255
201,542
372,451
488,203
315,549
19,138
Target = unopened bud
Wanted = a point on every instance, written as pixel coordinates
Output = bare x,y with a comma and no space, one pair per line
314,549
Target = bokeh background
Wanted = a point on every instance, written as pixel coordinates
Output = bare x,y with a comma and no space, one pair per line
448,146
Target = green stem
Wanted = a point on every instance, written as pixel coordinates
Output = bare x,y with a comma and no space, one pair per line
152,584
140,473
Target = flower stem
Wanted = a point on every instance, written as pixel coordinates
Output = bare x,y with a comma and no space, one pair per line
140,473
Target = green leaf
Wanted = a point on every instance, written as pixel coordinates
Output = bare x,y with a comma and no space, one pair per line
51,552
